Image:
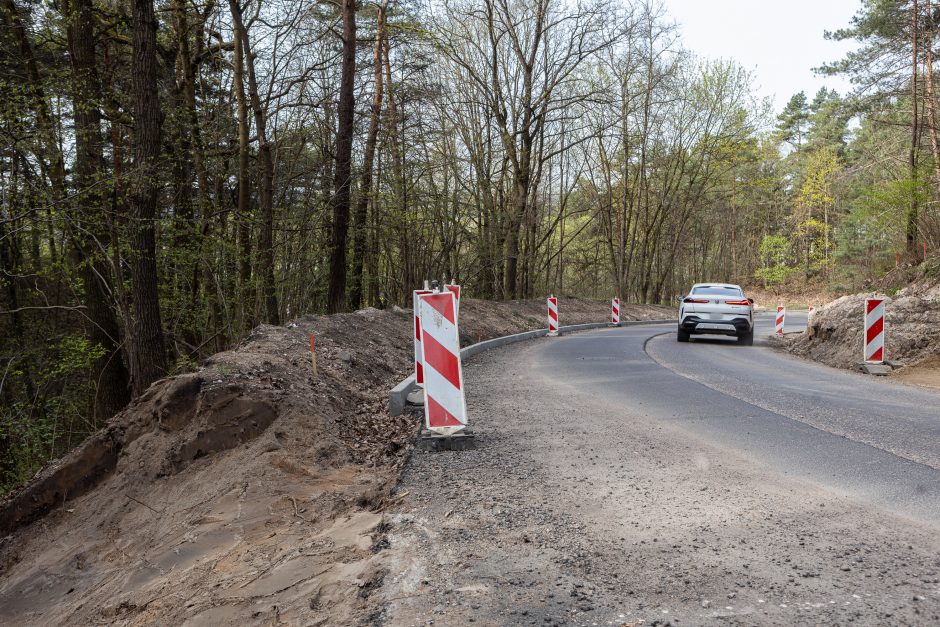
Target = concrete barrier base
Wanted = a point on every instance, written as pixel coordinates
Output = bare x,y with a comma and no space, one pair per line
879,370
463,441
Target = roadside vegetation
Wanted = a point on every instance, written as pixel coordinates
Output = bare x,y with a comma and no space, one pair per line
173,174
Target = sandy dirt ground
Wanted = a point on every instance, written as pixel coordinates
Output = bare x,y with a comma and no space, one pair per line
574,512
925,373
912,321
247,492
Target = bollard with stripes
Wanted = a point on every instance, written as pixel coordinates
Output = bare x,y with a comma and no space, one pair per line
419,368
552,316
615,312
812,312
874,351
445,412
781,320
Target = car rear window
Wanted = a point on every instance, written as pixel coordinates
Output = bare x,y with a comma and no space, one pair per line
717,290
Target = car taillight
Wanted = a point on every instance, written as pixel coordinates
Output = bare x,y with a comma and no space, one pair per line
696,300
738,302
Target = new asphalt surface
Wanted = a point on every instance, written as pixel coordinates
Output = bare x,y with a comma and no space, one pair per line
859,435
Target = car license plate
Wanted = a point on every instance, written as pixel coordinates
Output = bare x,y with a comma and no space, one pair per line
722,327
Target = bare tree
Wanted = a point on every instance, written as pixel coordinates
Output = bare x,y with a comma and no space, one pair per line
342,180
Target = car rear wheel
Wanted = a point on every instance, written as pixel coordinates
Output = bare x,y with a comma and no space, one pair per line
682,336
746,339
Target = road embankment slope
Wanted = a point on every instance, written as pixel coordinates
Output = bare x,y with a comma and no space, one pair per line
912,329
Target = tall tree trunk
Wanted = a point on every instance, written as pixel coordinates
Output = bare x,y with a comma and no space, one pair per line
246,304
191,134
912,217
148,334
365,189
336,293
931,102
92,235
406,272
265,175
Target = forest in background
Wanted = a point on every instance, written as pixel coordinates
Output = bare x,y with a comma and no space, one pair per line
174,173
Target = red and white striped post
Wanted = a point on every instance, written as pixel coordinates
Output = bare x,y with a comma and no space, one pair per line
445,407
614,311
781,320
874,330
552,316
419,368
453,287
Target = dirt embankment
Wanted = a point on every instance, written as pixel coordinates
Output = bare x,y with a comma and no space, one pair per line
791,297
912,321
248,491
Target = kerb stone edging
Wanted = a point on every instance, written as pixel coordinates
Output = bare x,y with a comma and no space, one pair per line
398,396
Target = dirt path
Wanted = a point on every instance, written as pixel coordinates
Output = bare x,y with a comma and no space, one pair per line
576,512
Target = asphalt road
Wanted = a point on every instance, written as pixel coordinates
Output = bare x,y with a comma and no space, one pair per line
622,478
862,436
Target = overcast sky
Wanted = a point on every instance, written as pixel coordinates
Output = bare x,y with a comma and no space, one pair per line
780,41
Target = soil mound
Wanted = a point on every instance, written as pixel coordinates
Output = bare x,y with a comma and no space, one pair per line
912,320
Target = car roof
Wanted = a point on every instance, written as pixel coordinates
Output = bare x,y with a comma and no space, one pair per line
731,285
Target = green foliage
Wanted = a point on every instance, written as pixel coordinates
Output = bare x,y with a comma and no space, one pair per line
791,123
812,236
775,256
815,195
40,428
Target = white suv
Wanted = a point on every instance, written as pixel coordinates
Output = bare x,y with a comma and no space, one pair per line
717,308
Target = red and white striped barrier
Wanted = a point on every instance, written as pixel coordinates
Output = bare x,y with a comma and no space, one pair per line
419,368
615,311
874,330
552,316
445,407
781,320
453,287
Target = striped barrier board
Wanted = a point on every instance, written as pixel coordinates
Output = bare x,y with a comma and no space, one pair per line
874,331
419,369
780,321
552,315
453,287
445,407
615,311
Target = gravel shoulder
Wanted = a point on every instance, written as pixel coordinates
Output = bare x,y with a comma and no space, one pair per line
577,511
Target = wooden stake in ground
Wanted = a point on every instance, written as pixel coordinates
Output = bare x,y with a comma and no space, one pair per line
313,355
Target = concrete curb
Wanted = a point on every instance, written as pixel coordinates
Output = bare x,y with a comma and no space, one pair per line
398,396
